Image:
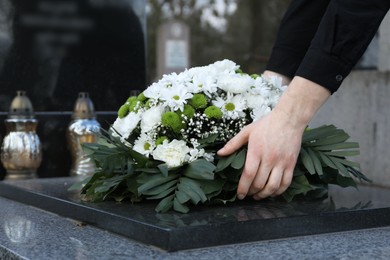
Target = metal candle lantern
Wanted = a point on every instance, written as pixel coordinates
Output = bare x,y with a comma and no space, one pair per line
21,151
82,129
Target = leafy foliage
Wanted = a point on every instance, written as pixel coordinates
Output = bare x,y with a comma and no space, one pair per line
125,174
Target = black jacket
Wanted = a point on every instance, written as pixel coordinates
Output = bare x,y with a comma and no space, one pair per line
321,40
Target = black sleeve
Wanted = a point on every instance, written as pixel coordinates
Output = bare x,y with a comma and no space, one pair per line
344,30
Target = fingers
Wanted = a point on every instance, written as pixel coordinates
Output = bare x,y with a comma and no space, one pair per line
261,178
286,181
249,173
278,182
235,143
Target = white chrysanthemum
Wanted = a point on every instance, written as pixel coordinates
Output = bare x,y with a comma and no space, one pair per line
172,153
125,126
273,100
275,81
258,86
254,101
153,91
235,83
175,97
232,107
151,118
144,144
203,83
197,71
260,112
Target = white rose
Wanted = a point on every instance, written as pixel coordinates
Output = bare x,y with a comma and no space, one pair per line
172,153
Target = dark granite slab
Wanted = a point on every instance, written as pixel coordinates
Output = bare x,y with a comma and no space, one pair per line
246,221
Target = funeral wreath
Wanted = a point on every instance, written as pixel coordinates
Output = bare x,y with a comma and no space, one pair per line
163,144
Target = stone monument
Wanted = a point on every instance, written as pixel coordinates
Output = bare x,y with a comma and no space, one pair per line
173,48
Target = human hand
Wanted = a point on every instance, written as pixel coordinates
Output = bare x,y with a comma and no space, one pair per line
273,147
274,141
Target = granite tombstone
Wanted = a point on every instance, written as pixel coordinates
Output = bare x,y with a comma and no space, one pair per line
55,49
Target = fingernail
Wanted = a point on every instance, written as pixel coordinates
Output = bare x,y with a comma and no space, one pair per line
221,150
240,196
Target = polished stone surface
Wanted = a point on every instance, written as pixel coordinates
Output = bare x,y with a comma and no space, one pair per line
30,233
347,209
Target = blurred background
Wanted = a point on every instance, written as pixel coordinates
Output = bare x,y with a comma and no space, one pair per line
113,48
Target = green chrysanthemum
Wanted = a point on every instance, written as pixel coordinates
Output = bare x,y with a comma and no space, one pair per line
188,111
131,99
198,101
172,120
141,97
255,76
134,106
123,110
213,112
161,139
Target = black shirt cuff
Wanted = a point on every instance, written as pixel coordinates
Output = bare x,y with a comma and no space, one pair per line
323,69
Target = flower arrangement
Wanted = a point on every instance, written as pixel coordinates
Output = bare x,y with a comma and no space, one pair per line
163,144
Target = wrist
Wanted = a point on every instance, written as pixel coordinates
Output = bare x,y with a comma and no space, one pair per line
301,100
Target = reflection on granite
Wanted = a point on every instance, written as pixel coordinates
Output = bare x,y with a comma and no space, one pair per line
19,229
345,209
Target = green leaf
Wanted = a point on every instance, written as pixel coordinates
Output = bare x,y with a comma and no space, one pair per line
337,136
316,133
181,196
160,189
358,174
163,169
239,161
200,169
299,186
192,188
155,181
343,153
162,194
139,158
109,183
180,207
340,146
165,204
225,162
325,159
316,162
346,162
307,161
342,169
211,186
